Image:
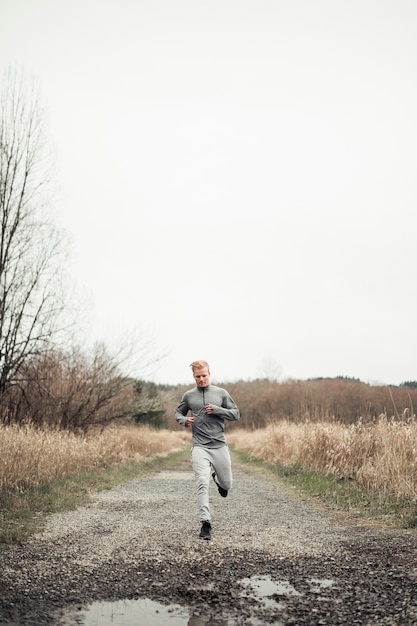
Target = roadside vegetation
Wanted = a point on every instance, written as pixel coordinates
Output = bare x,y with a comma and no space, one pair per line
31,457
380,455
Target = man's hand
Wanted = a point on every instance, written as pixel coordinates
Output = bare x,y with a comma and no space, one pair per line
209,409
190,421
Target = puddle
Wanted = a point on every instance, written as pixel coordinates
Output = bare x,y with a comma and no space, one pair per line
266,590
146,612
262,588
129,613
139,613
318,584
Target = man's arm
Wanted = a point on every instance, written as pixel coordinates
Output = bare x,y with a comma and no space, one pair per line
181,412
228,409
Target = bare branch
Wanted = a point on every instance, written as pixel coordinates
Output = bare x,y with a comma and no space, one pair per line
30,246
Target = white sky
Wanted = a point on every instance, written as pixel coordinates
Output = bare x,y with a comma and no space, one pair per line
238,177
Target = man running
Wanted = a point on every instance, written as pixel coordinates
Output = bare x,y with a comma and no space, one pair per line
204,408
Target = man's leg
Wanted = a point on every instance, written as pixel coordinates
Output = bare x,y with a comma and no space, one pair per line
222,465
200,461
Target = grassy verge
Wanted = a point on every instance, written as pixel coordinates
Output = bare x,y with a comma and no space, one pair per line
340,495
24,513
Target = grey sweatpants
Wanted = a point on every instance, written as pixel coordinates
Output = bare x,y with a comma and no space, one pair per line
202,459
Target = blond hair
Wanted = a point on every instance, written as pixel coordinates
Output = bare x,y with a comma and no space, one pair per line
197,365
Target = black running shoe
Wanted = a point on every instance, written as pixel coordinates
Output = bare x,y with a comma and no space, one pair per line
222,492
205,532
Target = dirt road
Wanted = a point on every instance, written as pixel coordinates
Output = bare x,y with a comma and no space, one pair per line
140,540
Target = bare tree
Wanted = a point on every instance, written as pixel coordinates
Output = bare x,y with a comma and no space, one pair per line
270,369
73,390
30,246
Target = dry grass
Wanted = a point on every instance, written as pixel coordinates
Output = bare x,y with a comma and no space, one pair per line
33,457
380,455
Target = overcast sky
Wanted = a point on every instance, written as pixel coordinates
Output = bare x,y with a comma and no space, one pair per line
238,177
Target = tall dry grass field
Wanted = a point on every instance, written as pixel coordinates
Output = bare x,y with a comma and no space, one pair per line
32,457
379,455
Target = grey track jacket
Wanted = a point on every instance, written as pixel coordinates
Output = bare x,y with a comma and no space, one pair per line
207,430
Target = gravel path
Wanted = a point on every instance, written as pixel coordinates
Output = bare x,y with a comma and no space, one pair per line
140,540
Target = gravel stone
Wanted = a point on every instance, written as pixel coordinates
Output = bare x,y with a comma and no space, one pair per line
140,540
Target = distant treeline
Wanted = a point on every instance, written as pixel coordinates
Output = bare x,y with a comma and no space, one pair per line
75,392
343,399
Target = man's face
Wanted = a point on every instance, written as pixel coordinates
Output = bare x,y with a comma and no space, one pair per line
202,376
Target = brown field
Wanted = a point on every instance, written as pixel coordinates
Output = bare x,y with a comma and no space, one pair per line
378,455
32,457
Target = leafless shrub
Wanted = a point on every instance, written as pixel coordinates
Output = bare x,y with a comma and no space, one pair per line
70,390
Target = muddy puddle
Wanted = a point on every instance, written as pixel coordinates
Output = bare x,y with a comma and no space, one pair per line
146,612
